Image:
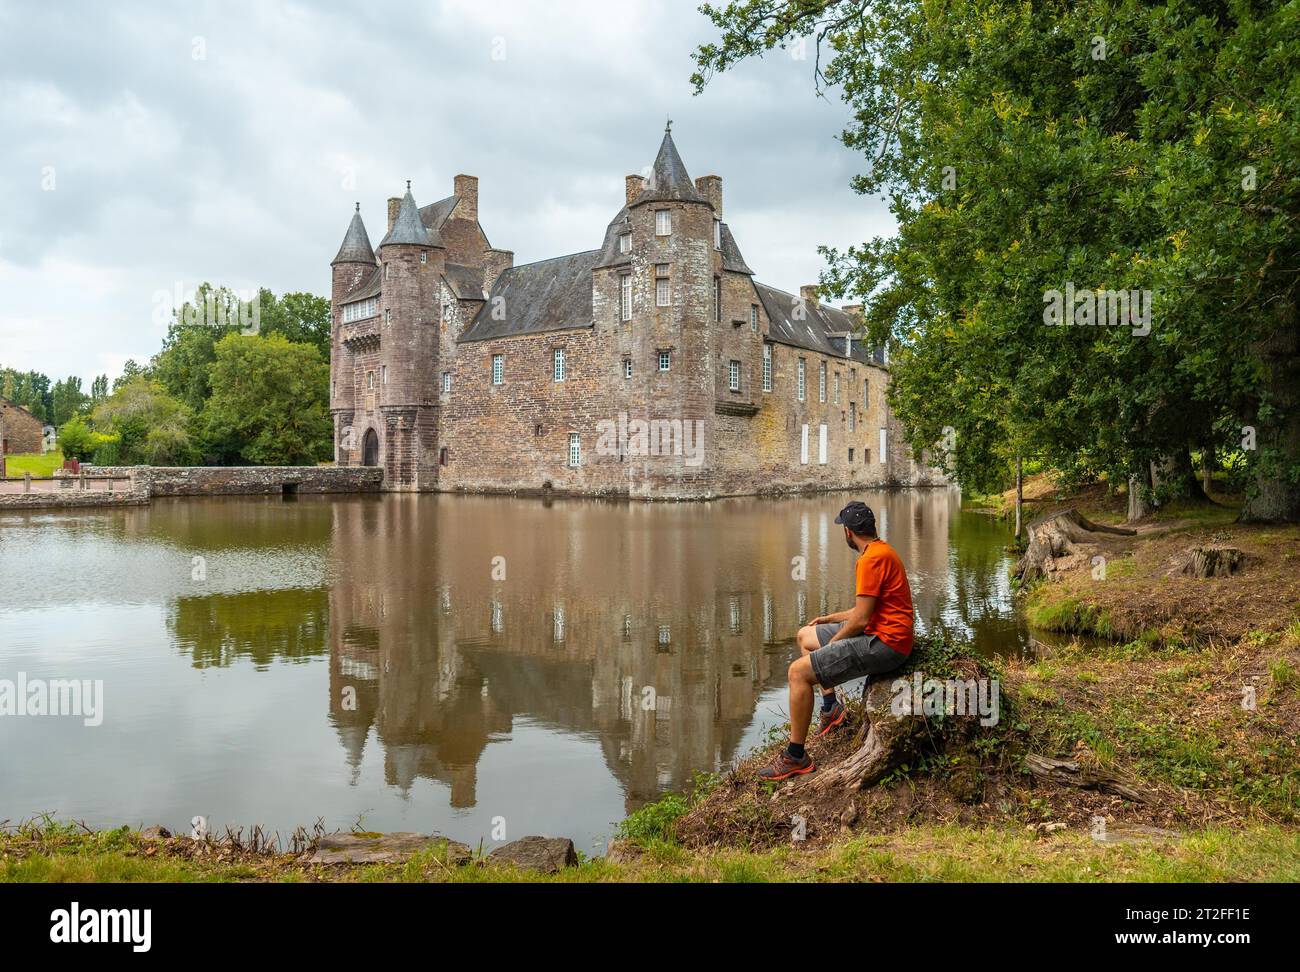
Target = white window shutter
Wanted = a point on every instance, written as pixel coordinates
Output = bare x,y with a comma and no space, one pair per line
821,444
884,440
803,446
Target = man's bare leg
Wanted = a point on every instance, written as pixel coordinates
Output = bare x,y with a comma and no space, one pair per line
807,641
802,681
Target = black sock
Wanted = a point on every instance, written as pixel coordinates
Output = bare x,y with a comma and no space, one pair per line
828,701
795,750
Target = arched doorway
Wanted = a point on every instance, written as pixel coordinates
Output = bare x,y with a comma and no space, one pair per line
370,449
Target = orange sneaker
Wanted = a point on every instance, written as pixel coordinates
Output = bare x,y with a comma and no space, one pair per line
785,766
832,720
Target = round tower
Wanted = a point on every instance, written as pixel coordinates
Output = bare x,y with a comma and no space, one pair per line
353,270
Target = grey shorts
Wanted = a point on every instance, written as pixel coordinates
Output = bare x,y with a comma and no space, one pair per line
836,662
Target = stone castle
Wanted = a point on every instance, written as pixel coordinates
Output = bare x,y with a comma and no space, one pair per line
654,366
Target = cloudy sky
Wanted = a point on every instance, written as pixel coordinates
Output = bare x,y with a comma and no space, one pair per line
150,146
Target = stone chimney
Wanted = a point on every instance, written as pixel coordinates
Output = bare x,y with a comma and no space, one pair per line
466,187
635,185
809,293
495,262
854,311
710,187
394,204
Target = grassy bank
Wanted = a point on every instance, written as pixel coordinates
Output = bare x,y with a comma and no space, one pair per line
923,853
36,463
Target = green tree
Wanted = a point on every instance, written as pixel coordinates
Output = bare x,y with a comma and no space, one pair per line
269,403
1100,146
78,440
67,400
149,426
298,317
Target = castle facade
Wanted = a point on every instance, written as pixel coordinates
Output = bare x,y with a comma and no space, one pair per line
654,366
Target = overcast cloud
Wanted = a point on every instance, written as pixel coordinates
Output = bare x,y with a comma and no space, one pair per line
148,146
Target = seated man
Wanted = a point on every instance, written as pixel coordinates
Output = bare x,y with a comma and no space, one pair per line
872,637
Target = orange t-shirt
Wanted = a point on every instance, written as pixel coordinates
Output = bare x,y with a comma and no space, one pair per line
881,575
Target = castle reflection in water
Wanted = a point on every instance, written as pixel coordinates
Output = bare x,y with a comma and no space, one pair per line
653,629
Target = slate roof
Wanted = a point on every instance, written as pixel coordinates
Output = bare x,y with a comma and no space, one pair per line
356,244
821,330
435,214
465,282
731,258
551,295
669,180
368,286
409,228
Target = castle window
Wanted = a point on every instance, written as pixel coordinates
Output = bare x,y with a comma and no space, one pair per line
442,456
767,367
627,367
801,386
388,317
370,381
884,442
866,455
717,298
498,369
717,234
383,374
559,369
753,318
821,383
837,388
360,310
625,243
665,360
853,417
803,442
625,298
575,450
446,382
424,256
866,392
663,222
733,375
385,271
850,455
663,296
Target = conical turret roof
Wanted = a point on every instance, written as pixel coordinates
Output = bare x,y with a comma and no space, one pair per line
356,244
669,180
408,227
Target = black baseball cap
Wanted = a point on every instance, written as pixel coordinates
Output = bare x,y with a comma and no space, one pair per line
857,516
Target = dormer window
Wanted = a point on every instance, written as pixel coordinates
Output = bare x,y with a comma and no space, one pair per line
663,222
625,243
360,310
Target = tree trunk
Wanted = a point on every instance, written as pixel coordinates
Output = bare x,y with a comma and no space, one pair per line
1207,468
1276,493
1139,504
1174,477
1020,492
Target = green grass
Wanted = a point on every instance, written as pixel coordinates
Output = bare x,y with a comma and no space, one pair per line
34,463
928,852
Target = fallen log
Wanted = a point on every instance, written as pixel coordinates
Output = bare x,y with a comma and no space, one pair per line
1069,772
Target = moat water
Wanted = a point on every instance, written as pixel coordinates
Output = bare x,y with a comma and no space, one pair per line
475,666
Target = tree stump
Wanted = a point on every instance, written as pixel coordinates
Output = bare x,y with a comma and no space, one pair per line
1213,561
891,740
1056,542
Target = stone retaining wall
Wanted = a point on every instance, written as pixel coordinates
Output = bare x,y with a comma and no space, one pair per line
150,481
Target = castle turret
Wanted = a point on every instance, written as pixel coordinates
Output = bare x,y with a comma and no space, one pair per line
351,270
412,259
674,278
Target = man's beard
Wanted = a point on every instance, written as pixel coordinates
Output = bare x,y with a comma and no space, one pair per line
848,538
